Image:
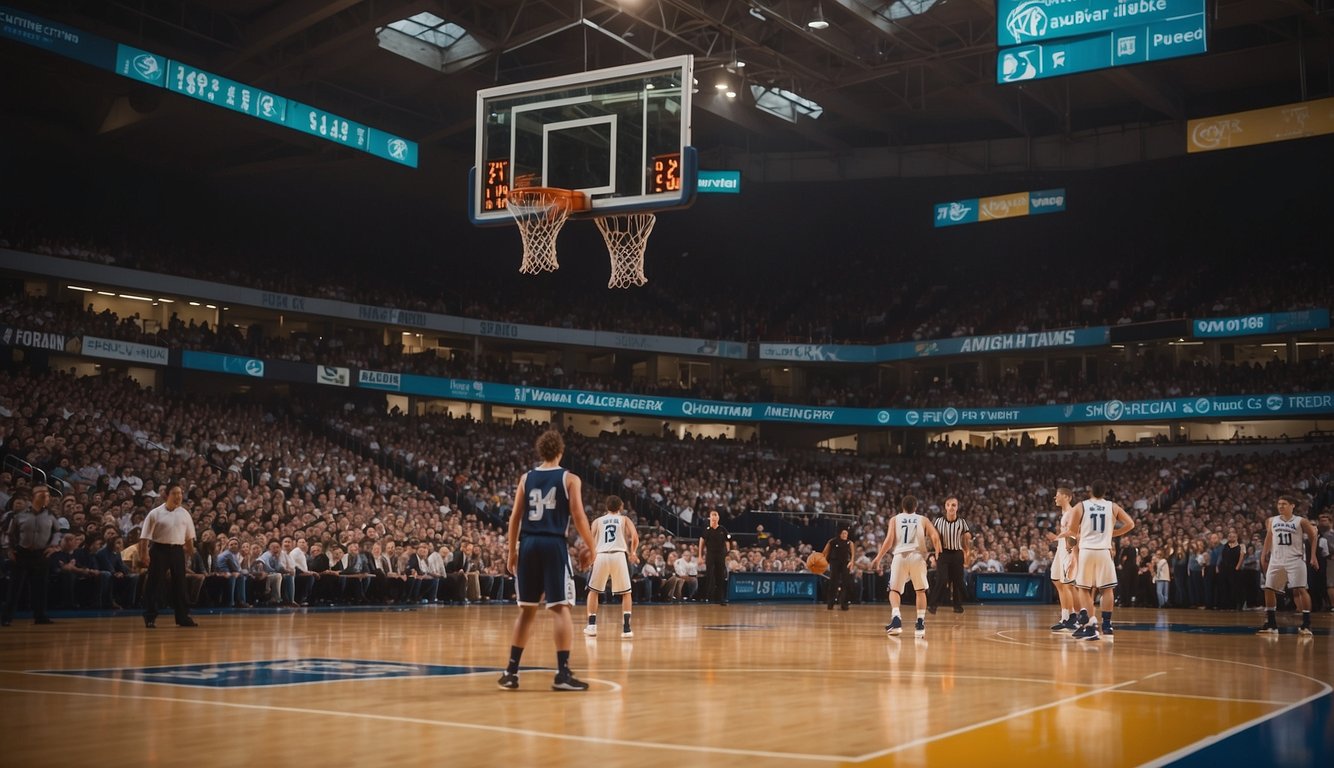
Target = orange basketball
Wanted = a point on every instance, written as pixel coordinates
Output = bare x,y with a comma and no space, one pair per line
816,563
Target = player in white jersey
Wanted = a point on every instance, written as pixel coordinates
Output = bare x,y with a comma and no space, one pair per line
907,536
1063,565
1284,561
617,538
1094,521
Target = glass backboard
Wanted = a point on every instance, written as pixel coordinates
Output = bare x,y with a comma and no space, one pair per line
620,135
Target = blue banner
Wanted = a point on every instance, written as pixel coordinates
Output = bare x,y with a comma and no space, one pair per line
1069,338
955,213
727,182
1011,588
1261,324
36,31
1046,201
1048,38
218,363
1026,21
772,586
179,77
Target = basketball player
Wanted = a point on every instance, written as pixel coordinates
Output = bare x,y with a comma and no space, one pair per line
547,498
617,538
1063,566
906,535
1094,521
1282,560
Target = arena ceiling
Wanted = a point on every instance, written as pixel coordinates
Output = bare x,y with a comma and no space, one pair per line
887,73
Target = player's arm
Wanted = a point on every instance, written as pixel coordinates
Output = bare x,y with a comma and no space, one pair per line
1313,536
967,544
1120,515
574,491
632,534
1076,520
701,546
827,546
516,519
934,534
890,536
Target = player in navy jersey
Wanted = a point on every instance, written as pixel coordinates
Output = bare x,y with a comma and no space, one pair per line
547,499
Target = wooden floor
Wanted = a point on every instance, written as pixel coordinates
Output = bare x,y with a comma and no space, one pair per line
697,686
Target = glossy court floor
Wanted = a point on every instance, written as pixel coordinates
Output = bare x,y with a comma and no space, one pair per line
697,686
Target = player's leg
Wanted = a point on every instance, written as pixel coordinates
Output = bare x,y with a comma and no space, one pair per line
1302,597
1276,580
559,586
919,579
897,577
627,609
591,629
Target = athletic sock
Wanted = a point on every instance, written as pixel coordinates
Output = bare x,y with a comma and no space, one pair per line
592,619
1107,618
1306,619
1271,617
516,653
563,662
895,613
625,622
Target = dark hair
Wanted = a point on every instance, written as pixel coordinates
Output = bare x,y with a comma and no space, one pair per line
908,504
614,503
1069,494
1097,489
550,445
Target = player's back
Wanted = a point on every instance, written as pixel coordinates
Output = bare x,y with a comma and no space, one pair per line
1095,530
1287,544
908,527
547,505
610,532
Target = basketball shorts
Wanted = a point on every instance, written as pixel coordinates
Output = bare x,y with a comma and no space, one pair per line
1062,565
544,573
613,567
906,567
1096,570
1290,574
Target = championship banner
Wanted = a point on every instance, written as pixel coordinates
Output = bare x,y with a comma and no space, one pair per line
1261,126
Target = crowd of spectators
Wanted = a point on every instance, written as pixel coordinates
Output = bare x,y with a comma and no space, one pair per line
890,298
290,474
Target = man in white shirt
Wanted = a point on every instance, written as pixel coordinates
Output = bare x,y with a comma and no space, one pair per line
170,533
305,580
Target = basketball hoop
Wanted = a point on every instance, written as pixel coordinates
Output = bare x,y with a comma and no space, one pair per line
540,212
626,236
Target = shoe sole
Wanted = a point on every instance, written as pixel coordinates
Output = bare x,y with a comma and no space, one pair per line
919,634
894,632
567,687
627,634
590,634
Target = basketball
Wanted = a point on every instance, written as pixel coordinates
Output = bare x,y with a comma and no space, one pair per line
817,564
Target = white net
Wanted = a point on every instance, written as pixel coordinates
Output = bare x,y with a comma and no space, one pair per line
626,236
539,213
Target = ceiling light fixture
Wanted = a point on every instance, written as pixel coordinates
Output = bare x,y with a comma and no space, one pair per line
818,21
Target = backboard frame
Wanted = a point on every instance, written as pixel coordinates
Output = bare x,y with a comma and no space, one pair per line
599,206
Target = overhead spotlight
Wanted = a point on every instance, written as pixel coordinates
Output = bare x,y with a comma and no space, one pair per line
818,21
731,94
755,11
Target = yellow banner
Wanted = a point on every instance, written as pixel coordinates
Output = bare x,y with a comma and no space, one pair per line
1261,126
1002,206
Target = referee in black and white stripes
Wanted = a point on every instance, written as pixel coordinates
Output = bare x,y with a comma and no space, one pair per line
956,540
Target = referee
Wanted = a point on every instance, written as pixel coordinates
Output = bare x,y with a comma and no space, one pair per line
714,544
956,540
170,532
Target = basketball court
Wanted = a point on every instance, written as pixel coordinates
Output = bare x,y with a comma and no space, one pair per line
700,685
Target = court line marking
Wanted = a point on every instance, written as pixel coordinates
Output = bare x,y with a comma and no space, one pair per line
1215,738
1205,698
449,724
924,740
46,673
1208,741
877,671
